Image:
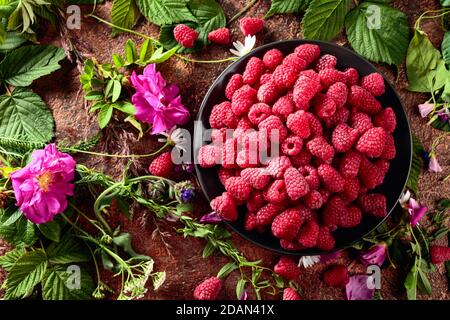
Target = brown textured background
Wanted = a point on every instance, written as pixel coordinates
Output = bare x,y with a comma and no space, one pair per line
179,257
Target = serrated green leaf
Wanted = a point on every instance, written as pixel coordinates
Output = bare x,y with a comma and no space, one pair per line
124,13
26,64
209,15
163,12
416,165
324,19
104,115
57,285
68,250
11,41
446,47
24,115
422,61
51,230
26,273
286,6
8,260
383,42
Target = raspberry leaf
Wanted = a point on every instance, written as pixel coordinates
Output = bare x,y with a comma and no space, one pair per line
210,17
378,32
163,12
324,19
57,280
446,47
286,6
124,13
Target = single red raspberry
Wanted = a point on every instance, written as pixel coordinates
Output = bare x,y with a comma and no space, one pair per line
222,116
250,222
369,174
389,150
344,137
386,119
283,107
314,125
289,245
351,76
162,165
267,213
243,99
305,88
185,35
275,129
277,166
372,142
374,83
313,200
340,116
311,176
243,126
338,92
351,189
224,174
336,276
298,123
208,289
287,268
327,61
382,165
294,61
373,204
276,192
308,234
268,92
251,26
363,100
257,177
333,212
324,106
253,71
296,185
301,159
290,294
439,254
259,112
284,77
220,36
308,52
234,83
273,58
225,206
361,122
352,218
219,136
320,148
329,77
287,224
331,178
238,187
325,195
292,145
208,156
325,240
255,201
247,158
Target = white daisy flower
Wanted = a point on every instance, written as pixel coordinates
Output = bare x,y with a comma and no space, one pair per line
243,49
308,261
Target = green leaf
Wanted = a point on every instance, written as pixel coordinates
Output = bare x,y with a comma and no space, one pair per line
125,107
441,77
11,42
286,6
416,165
57,285
208,250
124,13
163,12
209,15
423,283
12,218
9,259
26,64
124,241
117,89
411,284
158,279
94,95
104,116
445,3
26,273
118,60
24,115
446,47
441,125
51,230
421,62
159,56
68,250
383,42
227,269
324,19
130,51
240,286
146,51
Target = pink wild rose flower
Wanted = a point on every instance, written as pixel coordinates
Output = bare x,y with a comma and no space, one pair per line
41,187
157,102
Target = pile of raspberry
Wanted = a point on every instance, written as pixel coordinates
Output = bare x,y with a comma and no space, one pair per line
335,143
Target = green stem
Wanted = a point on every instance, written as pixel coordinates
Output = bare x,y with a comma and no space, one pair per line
205,61
81,213
240,13
423,16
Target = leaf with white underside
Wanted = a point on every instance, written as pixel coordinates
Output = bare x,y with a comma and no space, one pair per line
26,64
24,115
386,41
286,6
162,12
324,19
124,13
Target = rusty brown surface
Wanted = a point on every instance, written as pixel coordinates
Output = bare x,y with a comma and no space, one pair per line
181,257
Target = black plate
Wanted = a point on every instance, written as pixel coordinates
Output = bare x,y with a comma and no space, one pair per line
394,182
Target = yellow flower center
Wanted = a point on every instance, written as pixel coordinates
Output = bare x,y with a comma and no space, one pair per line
45,180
